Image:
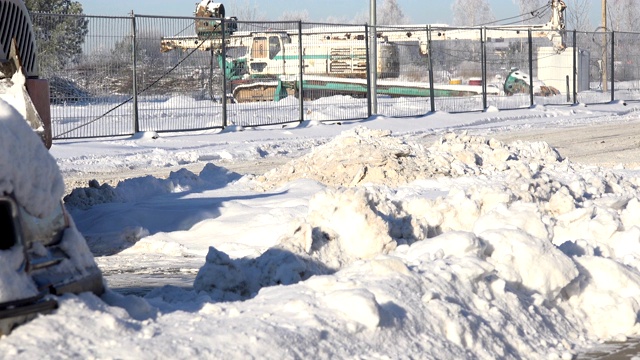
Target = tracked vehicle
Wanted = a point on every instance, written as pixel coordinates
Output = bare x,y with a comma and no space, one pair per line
42,254
266,65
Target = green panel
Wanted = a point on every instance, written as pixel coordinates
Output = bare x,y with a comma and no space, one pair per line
386,90
305,57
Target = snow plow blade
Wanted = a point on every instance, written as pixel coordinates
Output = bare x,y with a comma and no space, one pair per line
14,313
44,259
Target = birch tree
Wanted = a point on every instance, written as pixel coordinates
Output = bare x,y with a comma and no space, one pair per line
577,15
622,15
302,15
533,11
390,13
471,12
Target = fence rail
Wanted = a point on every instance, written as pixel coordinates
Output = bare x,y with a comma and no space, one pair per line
119,75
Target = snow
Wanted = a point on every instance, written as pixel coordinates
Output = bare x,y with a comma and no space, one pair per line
386,238
38,189
32,178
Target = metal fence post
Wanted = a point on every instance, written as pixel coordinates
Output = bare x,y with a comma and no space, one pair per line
483,56
432,99
613,63
368,52
575,67
374,63
223,64
211,71
136,124
301,66
530,69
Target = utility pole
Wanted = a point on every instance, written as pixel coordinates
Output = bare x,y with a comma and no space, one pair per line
604,46
373,59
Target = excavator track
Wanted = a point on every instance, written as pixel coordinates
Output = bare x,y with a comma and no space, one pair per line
259,91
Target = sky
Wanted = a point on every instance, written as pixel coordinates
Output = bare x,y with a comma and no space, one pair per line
420,11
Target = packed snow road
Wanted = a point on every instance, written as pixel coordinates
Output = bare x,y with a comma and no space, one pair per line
606,145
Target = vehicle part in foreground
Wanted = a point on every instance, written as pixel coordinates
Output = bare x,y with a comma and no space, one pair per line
42,254
20,84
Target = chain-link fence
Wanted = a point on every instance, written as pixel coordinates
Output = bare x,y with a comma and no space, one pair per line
88,82
148,73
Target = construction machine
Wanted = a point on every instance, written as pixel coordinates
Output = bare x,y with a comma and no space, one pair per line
335,62
271,56
42,254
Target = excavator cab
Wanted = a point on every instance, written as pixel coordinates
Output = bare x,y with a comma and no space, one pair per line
265,47
209,16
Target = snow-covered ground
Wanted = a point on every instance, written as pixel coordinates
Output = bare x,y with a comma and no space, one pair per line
422,238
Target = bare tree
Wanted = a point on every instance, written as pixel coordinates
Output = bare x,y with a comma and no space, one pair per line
577,18
302,15
533,11
390,13
622,15
387,13
244,11
577,15
472,12
361,17
332,19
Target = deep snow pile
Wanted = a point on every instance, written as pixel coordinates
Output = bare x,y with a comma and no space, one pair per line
30,175
37,188
468,248
362,155
139,188
538,241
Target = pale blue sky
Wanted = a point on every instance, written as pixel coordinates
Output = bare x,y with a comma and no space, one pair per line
420,11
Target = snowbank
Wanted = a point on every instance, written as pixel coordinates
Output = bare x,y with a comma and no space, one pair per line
464,248
361,156
537,240
28,170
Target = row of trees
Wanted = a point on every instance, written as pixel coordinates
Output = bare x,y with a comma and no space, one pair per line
622,15
60,41
388,12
